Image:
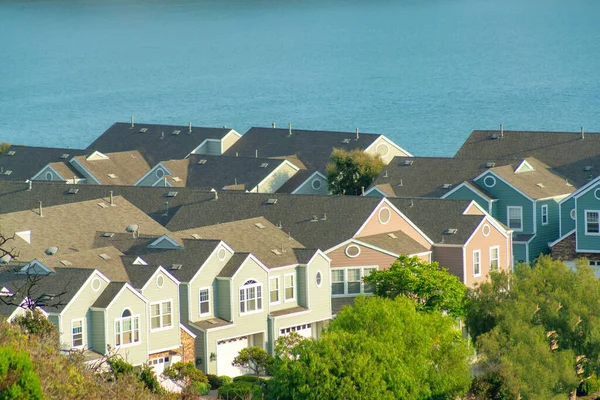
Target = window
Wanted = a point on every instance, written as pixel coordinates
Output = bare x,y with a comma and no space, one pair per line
204,301
515,218
127,329
316,184
545,214
250,297
368,287
594,263
494,257
337,281
319,279
77,333
160,315
592,225
476,263
289,287
354,281
274,290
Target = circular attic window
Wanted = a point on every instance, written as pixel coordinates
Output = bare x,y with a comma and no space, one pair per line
49,176
489,181
573,215
383,149
316,184
221,254
384,215
96,284
352,251
597,193
160,281
160,173
485,230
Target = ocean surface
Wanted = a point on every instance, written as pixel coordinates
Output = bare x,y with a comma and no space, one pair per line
423,72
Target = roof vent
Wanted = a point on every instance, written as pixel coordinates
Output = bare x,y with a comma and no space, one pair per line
176,132
201,162
11,153
143,130
52,250
104,256
407,163
132,228
5,259
196,236
259,225
112,176
540,185
176,179
490,164
108,234
7,172
315,218
495,136
171,194
277,252
102,205
64,156
264,165
271,201
451,231
176,267
346,141
587,168
5,292
392,236
66,263
73,191
446,186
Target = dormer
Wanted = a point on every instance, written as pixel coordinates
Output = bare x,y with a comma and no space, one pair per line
524,166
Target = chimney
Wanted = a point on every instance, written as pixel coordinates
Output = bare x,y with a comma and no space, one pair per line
166,213
357,134
132,122
362,190
582,133
190,128
501,130
111,198
290,128
41,209
273,125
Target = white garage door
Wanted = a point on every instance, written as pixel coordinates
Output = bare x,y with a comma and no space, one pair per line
304,330
227,350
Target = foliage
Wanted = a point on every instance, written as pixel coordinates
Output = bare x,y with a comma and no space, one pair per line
348,172
241,390
35,323
18,379
253,358
191,380
120,367
148,378
379,348
432,288
542,338
589,386
4,146
216,382
490,387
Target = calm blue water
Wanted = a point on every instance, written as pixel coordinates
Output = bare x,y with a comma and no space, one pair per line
424,72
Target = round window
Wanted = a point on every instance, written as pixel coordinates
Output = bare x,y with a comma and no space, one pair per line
597,194
383,149
384,215
486,230
316,184
221,254
319,278
573,216
160,281
96,284
48,176
489,181
160,173
352,251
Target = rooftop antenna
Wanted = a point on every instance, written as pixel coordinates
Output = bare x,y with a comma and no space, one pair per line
132,122
290,128
501,130
273,125
357,134
582,133
190,128
111,198
41,209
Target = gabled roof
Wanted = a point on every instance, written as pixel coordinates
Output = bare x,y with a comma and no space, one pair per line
107,260
219,172
258,236
28,160
397,242
564,152
311,148
122,168
64,169
233,265
109,293
157,142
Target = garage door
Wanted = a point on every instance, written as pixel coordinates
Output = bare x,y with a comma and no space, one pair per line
227,350
304,330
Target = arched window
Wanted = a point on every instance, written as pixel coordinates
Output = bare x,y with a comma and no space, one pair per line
126,313
127,329
250,297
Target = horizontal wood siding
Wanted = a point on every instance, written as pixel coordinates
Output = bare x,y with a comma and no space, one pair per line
567,224
367,257
229,140
589,202
307,188
96,331
450,258
165,338
223,299
280,176
484,244
464,193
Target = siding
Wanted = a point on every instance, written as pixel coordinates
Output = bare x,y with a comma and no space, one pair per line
519,253
223,299
567,224
280,176
588,202
96,332
166,338
210,147
183,303
545,233
450,258
282,305
319,296
484,244
465,193
307,188
367,257
201,354
391,150
396,223
301,289
151,178
229,140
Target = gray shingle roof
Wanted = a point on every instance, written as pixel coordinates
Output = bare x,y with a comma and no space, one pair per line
28,160
109,293
153,145
234,263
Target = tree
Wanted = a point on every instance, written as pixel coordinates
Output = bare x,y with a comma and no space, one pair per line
378,348
190,379
540,333
431,287
348,172
18,379
4,146
253,358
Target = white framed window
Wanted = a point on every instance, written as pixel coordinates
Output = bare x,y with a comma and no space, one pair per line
204,301
161,315
250,297
545,214
127,329
337,281
77,333
274,290
476,263
319,278
592,222
494,258
350,281
354,281
514,216
289,290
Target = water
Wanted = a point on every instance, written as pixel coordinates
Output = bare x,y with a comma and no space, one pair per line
424,72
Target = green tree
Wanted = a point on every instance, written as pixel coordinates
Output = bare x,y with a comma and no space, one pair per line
542,337
253,358
191,380
348,172
18,379
431,287
378,348
4,146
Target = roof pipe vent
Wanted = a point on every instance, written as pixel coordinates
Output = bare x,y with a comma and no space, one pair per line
582,133
30,185
357,136
41,209
166,213
501,130
256,153
132,122
273,125
290,128
216,194
362,190
190,128
112,203
162,135
386,174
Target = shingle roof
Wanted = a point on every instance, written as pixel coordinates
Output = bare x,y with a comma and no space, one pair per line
217,172
153,144
564,152
122,168
65,170
312,148
399,243
28,160
109,293
234,263
435,216
211,323
112,266
255,235
288,311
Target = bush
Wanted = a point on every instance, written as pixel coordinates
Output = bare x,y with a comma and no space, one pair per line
148,378
120,367
225,379
217,381
589,386
240,390
490,387
18,379
247,378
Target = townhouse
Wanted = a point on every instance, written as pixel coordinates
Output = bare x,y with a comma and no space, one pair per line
19,163
310,150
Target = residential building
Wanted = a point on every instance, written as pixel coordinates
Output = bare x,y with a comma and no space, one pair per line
19,163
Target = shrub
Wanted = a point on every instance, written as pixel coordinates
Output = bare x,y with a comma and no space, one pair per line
148,378
225,379
120,367
247,378
589,386
217,381
240,390
18,379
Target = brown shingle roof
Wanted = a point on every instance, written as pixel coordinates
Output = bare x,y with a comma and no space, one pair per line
400,244
112,266
123,168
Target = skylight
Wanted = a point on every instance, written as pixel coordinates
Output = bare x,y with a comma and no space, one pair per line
408,162
64,156
540,185
346,141
176,266
66,263
447,186
259,225
11,153
196,236
108,234
143,130
490,165
271,201
112,176
7,172
201,162
177,179
176,132
588,168
104,256
73,191
171,194
277,252
264,165
451,231
392,236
